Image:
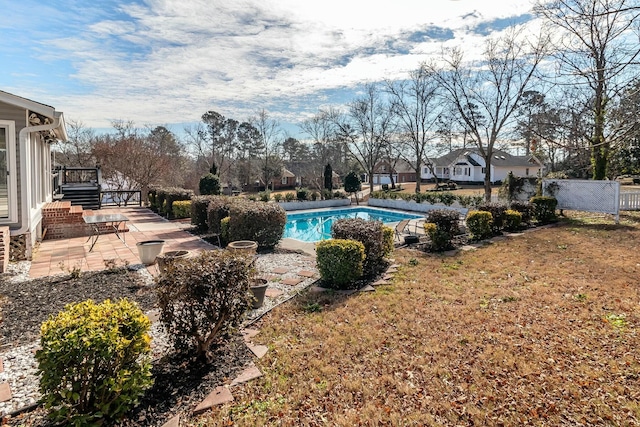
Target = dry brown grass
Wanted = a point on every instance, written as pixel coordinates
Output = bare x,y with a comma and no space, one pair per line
539,329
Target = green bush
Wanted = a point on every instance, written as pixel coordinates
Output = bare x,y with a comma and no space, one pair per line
370,234
260,222
447,220
166,196
326,194
219,208
340,262
182,209
497,213
339,195
203,299
277,197
302,194
544,209
209,185
440,239
480,224
447,198
224,231
525,209
153,202
94,362
388,236
512,220
199,207
314,195
289,197
264,196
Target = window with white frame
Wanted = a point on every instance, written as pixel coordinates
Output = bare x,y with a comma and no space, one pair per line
8,172
284,180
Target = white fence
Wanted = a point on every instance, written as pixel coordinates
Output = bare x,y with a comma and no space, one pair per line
584,195
629,201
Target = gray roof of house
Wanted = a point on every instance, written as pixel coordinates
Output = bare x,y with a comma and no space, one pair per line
499,158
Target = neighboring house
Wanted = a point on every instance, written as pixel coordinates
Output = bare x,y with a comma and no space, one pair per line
467,165
27,130
287,179
401,171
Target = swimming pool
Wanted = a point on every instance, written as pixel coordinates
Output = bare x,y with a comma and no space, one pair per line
314,226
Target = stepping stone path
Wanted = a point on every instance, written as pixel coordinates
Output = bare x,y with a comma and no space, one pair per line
291,281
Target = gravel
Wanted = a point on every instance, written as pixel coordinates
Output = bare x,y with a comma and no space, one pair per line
180,383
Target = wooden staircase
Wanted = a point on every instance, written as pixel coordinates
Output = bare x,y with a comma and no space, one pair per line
80,186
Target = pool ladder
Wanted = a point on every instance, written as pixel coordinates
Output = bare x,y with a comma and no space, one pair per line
320,228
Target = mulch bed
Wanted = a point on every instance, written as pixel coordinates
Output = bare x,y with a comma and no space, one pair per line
180,382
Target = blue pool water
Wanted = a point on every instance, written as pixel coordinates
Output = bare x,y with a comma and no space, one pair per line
314,226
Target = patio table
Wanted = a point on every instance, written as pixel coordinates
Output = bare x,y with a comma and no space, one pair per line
114,220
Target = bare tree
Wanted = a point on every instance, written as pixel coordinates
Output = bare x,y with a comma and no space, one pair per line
416,104
367,128
486,94
270,136
133,159
323,132
598,49
76,151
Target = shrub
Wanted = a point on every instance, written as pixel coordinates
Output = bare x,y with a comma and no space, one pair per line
447,220
261,222
544,208
497,212
199,207
224,231
182,209
209,184
447,198
512,220
302,194
152,197
289,197
94,362
388,236
340,261
326,194
470,201
315,195
385,187
219,208
440,239
339,195
166,196
525,209
203,299
480,224
264,196
370,234
277,197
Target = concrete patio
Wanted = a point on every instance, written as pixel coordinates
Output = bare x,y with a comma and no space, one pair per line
58,256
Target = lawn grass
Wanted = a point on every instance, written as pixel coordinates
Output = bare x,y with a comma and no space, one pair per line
538,329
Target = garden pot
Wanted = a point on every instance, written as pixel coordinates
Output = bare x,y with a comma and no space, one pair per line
149,250
258,289
166,258
246,247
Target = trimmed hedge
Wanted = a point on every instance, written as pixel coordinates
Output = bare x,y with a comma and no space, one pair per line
94,362
447,220
544,208
512,220
370,234
161,199
497,213
261,222
480,224
220,207
182,209
340,262
525,209
388,236
199,215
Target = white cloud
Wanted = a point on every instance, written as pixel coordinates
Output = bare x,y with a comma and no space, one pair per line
168,61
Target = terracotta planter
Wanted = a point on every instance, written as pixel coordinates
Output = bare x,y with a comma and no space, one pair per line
246,247
149,250
167,258
258,289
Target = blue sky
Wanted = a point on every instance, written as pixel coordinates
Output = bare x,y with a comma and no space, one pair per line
168,61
